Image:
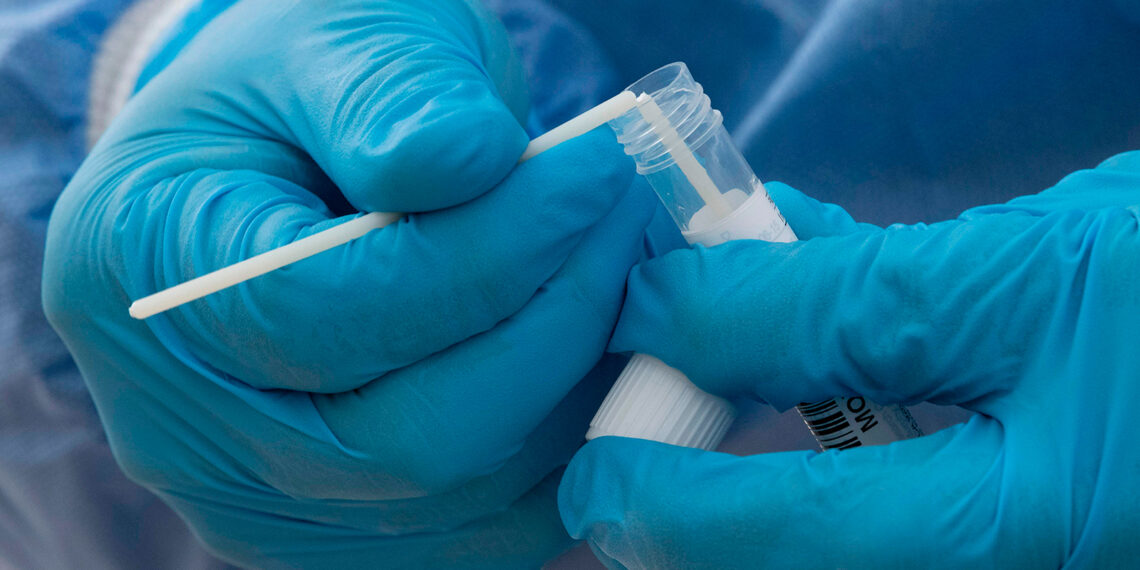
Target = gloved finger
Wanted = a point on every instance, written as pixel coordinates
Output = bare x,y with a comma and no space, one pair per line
427,104
406,106
809,218
526,534
546,449
464,411
337,320
1115,183
937,500
417,434
947,314
343,488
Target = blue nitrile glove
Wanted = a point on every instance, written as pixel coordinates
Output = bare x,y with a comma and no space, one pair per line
406,400
1024,312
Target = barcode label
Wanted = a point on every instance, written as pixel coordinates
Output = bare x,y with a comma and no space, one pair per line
829,425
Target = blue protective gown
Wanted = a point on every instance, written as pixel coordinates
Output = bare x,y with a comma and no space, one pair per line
900,111
63,501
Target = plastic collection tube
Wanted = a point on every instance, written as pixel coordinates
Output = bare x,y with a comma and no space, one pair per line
681,147
343,233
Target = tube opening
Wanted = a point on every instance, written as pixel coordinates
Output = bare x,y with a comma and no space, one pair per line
683,102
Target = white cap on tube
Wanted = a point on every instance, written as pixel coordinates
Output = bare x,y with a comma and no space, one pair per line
652,400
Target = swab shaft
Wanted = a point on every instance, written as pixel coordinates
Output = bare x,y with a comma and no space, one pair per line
259,265
589,120
341,234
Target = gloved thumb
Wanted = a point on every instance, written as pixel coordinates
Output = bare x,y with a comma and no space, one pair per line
945,313
643,504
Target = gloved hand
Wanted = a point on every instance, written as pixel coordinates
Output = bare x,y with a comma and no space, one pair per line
407,399
1024,312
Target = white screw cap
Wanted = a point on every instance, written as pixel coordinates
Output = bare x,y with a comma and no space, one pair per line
652,400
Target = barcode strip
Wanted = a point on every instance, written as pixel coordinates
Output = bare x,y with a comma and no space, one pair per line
809,409
829,426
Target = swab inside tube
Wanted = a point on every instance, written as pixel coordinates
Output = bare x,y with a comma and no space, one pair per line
341,234
686,161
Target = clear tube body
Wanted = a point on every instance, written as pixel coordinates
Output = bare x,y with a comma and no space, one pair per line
717,198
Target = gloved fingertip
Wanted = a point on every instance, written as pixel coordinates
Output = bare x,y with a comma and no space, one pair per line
601,150
440,160
646,306
500,60
608,561
807,216
612,244
591,171
587,500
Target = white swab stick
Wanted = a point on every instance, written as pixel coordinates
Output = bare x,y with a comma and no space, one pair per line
341,234
260,264
591,119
